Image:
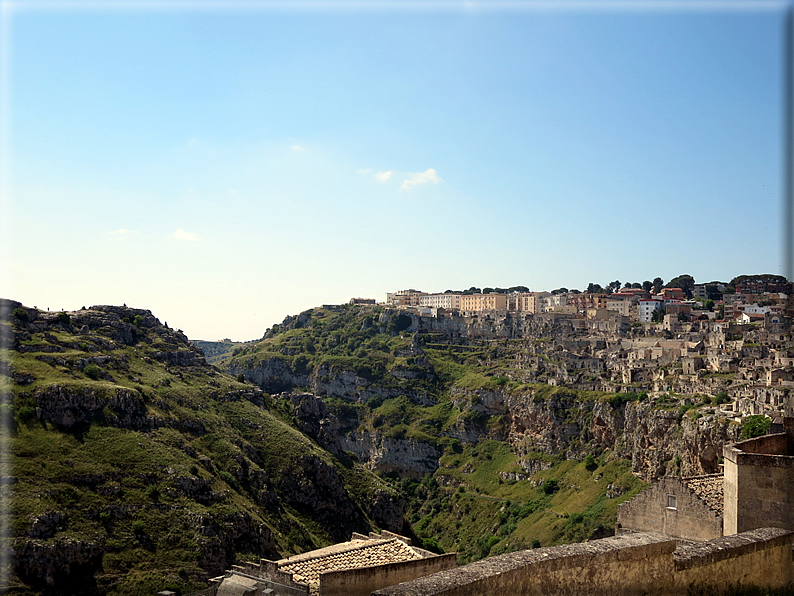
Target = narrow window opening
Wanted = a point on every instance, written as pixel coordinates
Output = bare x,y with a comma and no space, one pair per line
671,502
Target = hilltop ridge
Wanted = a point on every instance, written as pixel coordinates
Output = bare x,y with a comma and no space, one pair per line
137,466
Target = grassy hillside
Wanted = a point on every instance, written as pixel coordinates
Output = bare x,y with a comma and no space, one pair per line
138,467
381,378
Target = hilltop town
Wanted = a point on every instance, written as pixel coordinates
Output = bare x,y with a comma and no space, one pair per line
729,340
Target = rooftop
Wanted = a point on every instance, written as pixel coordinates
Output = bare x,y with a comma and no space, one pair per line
353,554
709,489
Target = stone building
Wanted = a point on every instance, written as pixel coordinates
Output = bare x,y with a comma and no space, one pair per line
759,482
685,508
756,491
353,568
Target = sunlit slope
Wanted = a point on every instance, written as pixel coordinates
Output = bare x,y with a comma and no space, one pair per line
138,467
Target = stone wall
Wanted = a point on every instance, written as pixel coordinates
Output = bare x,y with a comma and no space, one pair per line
691,519
759,484
642,563
760,557
363,581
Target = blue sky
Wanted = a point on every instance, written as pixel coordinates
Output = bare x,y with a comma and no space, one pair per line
225,167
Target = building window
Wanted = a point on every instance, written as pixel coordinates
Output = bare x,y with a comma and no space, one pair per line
671,502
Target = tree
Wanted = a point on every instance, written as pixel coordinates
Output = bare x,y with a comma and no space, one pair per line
685,282
755,426
658,284
594,289
549,486
646,285
559,291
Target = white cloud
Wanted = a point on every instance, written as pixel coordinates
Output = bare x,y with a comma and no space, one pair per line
383,176
427,177
296,148
181,234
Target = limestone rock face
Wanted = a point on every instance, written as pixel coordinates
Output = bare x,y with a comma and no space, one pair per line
67,406
56,562
315,486
656,440
408,457
47,524
218,538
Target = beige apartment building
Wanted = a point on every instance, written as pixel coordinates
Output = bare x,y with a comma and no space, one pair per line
404,297
474,302
530,302
624,306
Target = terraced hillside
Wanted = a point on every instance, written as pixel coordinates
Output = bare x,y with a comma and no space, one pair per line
136,467
488,460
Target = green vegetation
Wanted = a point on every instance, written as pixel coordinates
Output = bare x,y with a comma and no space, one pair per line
326,342
170,472
468,508
755,426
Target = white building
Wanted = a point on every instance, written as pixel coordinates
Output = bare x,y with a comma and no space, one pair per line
647,308
447,301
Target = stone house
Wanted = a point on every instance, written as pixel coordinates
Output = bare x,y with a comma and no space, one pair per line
759,482
353,568
756,490
685,508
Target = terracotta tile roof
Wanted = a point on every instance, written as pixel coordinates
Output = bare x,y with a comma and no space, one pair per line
709,489
307,567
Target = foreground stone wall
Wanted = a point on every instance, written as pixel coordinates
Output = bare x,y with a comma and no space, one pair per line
759,484
760,557
363,581
622,565
691,519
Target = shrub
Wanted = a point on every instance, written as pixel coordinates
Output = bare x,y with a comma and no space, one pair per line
432,545
755,426
63,318
25,413
549,486
137,320
228,478
20,314
153,492
590,463
91,371
722,398
535,543
138,526
300,363
241,378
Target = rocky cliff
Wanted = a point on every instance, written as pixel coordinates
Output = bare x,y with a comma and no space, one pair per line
138,467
